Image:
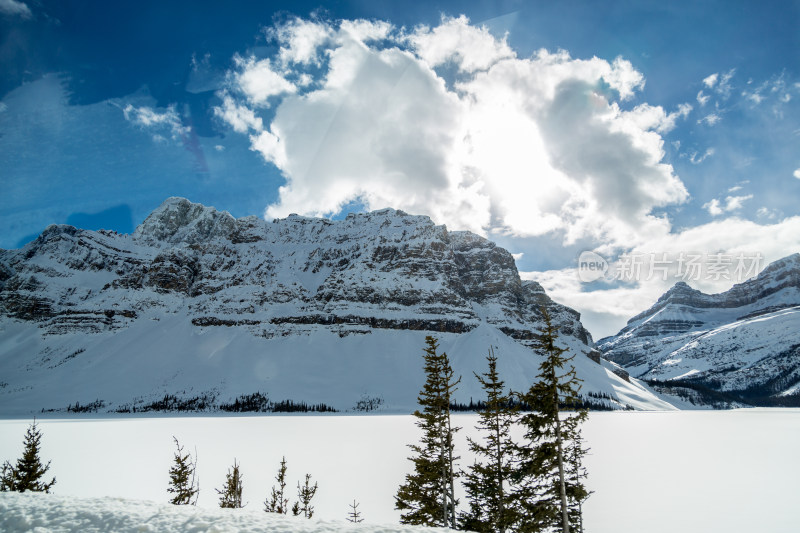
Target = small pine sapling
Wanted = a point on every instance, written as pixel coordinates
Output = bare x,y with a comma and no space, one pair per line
304,494
354,515
183,484
230,496
29,470
7,478
277,502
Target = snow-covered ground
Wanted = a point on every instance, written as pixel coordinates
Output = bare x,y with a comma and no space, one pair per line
50,513
720,471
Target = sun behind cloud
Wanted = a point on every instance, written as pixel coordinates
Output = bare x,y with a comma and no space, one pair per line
448,121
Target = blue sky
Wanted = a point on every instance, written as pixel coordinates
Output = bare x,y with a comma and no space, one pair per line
553,128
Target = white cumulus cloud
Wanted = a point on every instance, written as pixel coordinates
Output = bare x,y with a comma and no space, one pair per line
765,212
455,39
158,121
696,158
724,86
717,207
242,119
15,8
711,119
518,145
259,81
713,207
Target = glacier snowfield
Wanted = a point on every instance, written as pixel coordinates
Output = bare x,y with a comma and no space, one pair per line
705,471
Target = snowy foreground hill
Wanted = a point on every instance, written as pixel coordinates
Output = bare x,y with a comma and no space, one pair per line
51,513
198,310
740,347
693,471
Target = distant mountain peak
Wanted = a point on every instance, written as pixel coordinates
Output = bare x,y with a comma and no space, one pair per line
791,262
743,342
679,290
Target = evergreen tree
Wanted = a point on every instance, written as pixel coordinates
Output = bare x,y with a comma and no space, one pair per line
542,484
277,503
575,471
354,515
487,482
182,482
7,477
29,470
428,495
304,495
230,496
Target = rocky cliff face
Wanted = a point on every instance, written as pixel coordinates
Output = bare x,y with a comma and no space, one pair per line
742,345
193,286
386,267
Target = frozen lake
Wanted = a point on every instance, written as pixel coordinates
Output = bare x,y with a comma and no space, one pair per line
726,471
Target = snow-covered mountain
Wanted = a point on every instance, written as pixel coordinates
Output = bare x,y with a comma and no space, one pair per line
206,308
740,346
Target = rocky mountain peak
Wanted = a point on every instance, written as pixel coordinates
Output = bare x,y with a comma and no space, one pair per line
782,272
790,262
54,232
679,294
179,220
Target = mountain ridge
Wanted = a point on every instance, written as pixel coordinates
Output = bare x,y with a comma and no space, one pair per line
738,347
200,302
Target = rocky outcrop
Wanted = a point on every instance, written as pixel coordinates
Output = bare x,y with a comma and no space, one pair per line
395,270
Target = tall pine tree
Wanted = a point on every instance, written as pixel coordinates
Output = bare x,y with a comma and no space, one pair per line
182,481
487,483
543,488
26,475
428,495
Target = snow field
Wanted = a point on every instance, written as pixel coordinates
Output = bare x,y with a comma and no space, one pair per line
44,513
718,471
152,358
